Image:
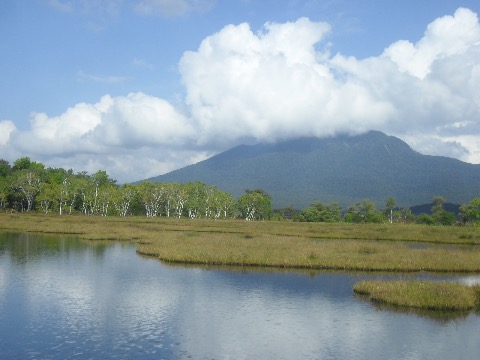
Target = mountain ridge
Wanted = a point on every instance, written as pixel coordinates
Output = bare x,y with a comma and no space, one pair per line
345,169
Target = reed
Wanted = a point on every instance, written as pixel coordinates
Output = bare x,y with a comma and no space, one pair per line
446,296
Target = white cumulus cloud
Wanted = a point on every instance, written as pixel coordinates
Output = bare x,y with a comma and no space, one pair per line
271,85
131,136
280,83
277,83
6,128
140,120
444,37
131,121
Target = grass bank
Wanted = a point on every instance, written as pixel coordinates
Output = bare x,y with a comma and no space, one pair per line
259,249
368,247
362,247
446,296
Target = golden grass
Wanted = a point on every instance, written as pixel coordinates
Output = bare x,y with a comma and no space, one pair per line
362,247
302,252
447,296
275,244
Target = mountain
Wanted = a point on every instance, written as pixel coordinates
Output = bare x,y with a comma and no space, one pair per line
344,169
427,208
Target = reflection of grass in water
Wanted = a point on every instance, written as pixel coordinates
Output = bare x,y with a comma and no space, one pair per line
28,246
438,316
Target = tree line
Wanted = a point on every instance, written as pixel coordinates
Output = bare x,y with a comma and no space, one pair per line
367,212
30,186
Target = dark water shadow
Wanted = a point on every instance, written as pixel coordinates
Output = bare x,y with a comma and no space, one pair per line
243,269
441,317
312,272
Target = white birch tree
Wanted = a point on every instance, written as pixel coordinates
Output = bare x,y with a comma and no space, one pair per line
123,199
28,182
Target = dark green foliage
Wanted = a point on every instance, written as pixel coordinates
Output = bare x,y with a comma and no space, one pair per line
319,212
439,215
444,218
363,212
471,213
5,168
310,214
438,202
255,204
403,216
21,164
287,213
425,219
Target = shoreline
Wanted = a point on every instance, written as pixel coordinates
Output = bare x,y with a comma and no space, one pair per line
287,245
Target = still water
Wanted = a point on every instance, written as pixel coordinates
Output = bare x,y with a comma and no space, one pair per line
65,298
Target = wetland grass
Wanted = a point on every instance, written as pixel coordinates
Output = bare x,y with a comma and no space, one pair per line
301,252
366,247
441,296
363,247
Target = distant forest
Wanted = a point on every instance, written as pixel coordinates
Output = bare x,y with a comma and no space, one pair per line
30,186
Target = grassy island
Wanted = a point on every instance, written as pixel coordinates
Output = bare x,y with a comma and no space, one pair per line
447,296
354,247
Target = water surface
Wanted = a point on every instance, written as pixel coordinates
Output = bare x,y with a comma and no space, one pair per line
64,298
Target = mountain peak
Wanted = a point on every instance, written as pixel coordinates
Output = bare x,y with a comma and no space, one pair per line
345,169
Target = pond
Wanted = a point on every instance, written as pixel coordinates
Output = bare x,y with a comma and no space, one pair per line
64,298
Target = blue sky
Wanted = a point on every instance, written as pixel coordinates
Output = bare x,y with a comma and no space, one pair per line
141,87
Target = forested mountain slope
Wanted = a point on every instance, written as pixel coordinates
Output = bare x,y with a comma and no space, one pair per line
343,169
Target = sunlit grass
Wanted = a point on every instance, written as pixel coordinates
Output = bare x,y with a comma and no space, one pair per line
381,247
288,251
365,247
422,295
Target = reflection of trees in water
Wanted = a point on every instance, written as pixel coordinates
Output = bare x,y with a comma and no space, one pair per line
438,316
24,247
